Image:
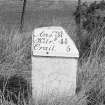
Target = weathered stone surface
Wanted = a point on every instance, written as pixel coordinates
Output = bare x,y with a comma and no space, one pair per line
54,62
53,41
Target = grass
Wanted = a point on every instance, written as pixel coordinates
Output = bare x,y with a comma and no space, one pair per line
91,74
15,58
15,47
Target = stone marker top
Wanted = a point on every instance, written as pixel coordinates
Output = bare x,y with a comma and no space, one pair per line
53,41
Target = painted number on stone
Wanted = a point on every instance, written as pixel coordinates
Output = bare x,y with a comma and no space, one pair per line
68,49
50,41
64,41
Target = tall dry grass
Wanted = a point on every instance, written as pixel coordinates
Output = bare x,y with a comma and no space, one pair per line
15,58
91,74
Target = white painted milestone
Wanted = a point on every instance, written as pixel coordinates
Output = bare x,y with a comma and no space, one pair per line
54,62
53,41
